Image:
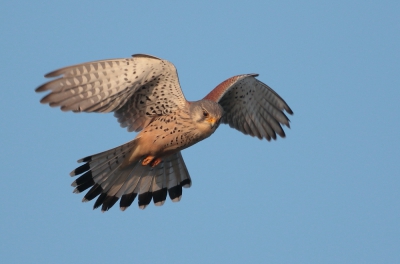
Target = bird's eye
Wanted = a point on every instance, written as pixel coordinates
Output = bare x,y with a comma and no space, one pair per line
205,114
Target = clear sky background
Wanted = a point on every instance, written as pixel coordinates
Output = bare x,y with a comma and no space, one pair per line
327,193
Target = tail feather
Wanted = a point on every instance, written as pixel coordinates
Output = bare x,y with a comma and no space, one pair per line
92,193
131,187
159,187
125,178
131,184
174,189
127,200
110,181
99,167
143,188
175,192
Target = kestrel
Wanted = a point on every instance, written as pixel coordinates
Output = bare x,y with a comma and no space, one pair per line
145,95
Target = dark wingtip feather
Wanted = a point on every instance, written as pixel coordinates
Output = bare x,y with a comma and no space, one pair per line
47,99
52,74
281,132
288,110
145,56
41,88
47,86
273,136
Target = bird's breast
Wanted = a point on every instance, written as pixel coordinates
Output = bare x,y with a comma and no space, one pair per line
169,134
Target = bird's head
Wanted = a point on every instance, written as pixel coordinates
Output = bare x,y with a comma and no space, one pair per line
206,115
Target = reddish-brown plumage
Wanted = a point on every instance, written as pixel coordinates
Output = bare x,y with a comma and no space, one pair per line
216,94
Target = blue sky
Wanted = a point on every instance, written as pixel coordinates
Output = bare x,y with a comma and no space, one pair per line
327,193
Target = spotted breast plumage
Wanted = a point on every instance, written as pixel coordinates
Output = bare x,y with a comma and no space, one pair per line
145,95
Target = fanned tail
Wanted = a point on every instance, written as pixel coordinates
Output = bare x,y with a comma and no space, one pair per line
110,180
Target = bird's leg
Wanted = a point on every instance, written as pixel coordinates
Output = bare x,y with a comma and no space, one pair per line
151,160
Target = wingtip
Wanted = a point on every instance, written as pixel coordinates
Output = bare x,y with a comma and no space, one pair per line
52,74
39,89
49,75
145,56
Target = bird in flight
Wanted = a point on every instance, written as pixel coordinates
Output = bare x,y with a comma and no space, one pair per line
145,95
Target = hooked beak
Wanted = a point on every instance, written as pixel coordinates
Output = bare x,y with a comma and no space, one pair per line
212,121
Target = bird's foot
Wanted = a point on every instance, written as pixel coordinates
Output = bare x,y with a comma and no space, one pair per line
146,161
155,162
151,161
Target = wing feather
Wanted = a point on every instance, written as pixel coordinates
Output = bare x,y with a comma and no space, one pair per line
251,106
137,89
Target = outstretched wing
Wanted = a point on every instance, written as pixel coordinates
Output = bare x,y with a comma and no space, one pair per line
136,89
251,106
